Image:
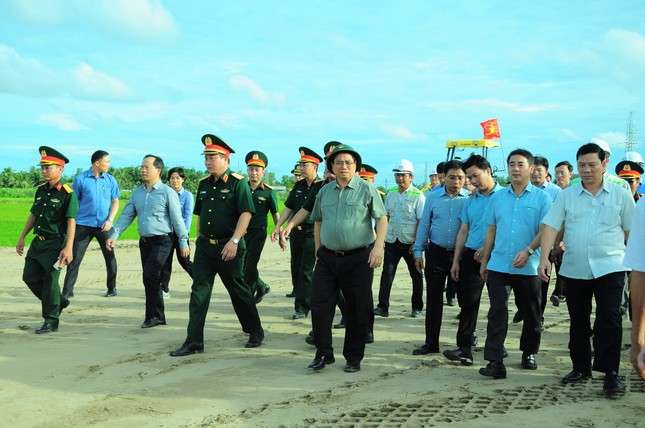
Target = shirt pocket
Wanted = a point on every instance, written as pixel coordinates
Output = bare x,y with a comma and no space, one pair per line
610,215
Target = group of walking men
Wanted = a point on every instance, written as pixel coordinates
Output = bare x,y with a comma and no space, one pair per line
341,229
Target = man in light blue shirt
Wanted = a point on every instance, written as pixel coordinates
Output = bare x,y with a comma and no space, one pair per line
513,234
98,202
157,207
596,216
468,249
439,224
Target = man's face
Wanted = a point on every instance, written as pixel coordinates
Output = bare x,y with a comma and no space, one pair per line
403,180
329,175
149,173
633,183
591,168
103,164
442,177
255,173
519,170
538,176
51,173
563,176
454,181
344,166
434,180
481,179
216,163
308,170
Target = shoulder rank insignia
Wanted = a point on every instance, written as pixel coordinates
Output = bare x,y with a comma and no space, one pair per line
268,187
236,175
204,178
68,188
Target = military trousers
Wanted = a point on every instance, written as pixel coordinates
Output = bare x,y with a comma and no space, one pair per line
254,240
42,278
208,263
303,253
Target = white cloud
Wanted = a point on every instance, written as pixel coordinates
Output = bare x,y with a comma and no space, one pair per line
256,92
25,76
490,104
398,131
96,85
64,122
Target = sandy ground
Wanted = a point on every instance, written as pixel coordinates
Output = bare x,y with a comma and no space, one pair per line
101,369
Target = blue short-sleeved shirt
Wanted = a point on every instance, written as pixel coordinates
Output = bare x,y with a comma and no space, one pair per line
94,197
517,219
472,214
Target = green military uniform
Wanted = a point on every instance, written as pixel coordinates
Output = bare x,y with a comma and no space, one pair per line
265,201
219,204
302,244
51,209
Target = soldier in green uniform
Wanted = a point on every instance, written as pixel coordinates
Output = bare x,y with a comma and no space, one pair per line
302,238
265,201
53,220
224,207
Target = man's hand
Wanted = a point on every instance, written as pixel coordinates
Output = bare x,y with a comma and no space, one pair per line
275,234
454,271
478,255
520,259
418,263
109,244
637,357
483,271
229,251
544,271
66,255
376,257
185,252
106,226
20,246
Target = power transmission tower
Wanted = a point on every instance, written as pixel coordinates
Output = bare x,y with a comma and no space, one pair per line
630,142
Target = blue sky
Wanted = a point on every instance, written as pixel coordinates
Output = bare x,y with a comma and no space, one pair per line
395,79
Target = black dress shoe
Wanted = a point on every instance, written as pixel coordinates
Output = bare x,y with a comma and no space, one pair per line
298,316
188,349
111,293
255,339
352,366
426,349
310,338
64,302
47,327
370,337
494,370
292,294
319,363
150,322
381,312
465,358
451,302
518,317
504,352
67,294
613,385
528,361
576,376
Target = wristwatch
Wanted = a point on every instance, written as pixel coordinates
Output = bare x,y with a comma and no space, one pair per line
235,241
530,250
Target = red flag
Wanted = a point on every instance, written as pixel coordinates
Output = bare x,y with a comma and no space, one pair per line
491,129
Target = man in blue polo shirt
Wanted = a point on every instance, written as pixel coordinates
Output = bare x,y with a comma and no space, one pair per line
98,202
468,250
513,216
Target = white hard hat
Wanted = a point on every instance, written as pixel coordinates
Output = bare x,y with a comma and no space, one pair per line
433,172
634,157
602,143
403,167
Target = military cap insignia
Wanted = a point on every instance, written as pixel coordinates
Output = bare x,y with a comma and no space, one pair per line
302,152
255,156
627,168
208,140
331,149
43,153
363,169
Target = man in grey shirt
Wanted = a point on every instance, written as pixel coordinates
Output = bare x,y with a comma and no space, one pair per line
157,207
347,254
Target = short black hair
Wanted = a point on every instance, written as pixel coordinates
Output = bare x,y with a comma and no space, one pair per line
179,170
453,164
98,155
590,148
158,163
441,168
569,166
521,152
541,161
477,161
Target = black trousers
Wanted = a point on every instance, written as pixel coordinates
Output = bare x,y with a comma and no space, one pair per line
85,234
469,293
559,282
528,294
184,262
255,240
437,272
303,259
154,253
393,253
352,275
608,328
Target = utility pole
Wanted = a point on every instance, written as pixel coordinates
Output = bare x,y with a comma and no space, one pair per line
630,142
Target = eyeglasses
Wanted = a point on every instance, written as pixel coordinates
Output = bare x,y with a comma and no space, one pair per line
346,163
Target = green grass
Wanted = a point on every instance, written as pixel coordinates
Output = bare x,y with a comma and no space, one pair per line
14,213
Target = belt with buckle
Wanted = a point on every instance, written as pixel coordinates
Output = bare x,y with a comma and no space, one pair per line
47,237
305,227
153,238
215,241
348,252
